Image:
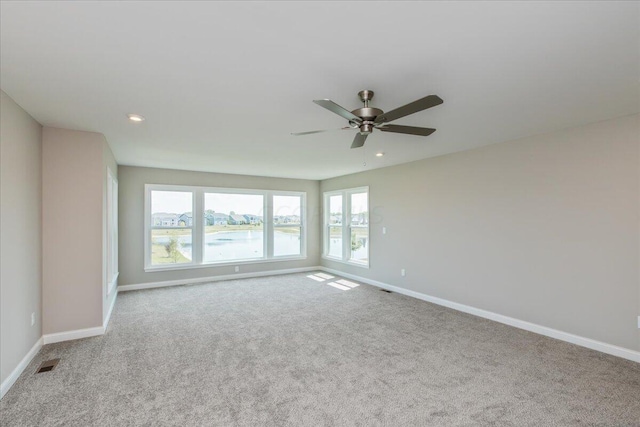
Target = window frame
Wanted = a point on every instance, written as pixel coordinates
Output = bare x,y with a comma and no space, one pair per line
216,190
303,233
149,227
198,227
112,232
345,226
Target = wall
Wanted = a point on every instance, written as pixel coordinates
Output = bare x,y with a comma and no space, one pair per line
21,236
544,229
131,217
73,176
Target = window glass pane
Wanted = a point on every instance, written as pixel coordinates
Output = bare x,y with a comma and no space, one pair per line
170,210
335,210
335,242
286,219
233,226
286,210
359,209
359,227
286,241
171,246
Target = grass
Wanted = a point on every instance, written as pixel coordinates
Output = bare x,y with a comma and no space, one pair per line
336,232
288,230
209,229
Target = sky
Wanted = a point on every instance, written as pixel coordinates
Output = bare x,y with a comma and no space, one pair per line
180,202
358,203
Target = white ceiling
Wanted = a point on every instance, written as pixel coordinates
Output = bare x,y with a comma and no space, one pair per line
222,85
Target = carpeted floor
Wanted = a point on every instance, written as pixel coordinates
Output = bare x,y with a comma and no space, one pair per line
290,350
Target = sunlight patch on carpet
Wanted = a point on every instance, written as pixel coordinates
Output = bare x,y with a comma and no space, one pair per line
341,287
347,283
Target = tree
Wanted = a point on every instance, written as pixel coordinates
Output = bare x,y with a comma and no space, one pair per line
173,249
355,242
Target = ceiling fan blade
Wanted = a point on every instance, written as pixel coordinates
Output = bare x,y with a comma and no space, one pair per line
405,110
359,140
410,130
335,108
318,131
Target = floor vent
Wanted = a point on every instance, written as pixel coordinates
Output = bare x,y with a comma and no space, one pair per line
47,365
384,290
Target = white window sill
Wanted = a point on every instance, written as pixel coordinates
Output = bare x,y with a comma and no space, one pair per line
341,261
223,263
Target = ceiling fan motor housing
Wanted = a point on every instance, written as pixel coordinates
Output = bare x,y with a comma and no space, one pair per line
366,113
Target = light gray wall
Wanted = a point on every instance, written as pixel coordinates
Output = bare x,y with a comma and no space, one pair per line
108,163
21,233
544,229
131,216
73,176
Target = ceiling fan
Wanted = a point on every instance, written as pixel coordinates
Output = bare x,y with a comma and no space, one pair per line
366,119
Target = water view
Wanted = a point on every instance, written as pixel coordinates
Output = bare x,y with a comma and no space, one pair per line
235,245
358,254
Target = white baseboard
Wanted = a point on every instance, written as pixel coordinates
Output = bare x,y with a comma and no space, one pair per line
151,285
113,303
73,335
54,338
48,339
614,350
12,378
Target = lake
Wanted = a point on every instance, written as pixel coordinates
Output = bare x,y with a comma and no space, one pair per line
360,254
238,245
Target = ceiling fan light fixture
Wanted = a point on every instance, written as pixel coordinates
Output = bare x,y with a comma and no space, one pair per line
137,118
366,128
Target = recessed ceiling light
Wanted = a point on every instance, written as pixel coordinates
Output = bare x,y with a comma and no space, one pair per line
135,117
380,154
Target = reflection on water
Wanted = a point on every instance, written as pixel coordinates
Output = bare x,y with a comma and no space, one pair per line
232,245
335,249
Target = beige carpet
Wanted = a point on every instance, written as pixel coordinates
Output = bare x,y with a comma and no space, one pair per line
293,351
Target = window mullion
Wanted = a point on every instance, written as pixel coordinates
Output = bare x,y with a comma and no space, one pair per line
303,225
197,231
268,228
325,225
346,226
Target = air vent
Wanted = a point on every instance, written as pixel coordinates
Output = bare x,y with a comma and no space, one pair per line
384,290
47,365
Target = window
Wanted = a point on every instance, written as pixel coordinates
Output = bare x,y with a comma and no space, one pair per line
359,227
287,225
112,232
233,227
191,227
346,226
335,226
171,234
